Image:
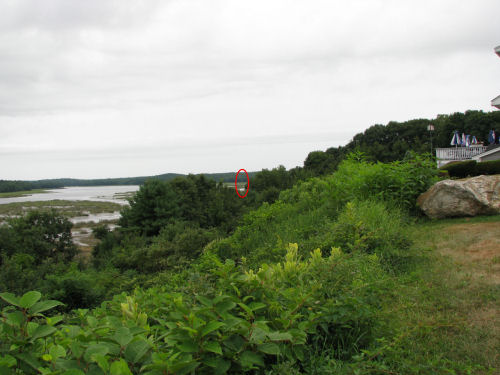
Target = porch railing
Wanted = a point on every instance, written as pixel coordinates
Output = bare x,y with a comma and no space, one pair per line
459,153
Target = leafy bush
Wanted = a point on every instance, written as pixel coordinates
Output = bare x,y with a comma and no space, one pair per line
307,212
471,168
488,167
40,234
194,199
253,320
175,246
372,228
398,183
461,169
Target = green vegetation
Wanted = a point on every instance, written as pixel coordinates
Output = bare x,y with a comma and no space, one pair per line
387,143
14,186
65,208
22,193
325,269
470,168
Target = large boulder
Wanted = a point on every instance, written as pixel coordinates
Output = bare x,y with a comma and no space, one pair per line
468,197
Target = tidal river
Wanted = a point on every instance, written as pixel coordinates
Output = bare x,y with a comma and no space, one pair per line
115,194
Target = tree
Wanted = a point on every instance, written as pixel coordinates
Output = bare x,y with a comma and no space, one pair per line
42,235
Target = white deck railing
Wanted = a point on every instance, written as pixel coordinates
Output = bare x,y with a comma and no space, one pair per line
459,153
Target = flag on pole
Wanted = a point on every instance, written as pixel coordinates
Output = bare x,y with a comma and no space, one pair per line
492,137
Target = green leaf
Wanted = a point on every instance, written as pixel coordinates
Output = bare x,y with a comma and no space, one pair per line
29,299
257,306
10,298
222,367
44,306
122,336
279,336
119,368
299,352
53,320
224,306
205,301
8,361
235,343
212,346
184,368
76,349
101,361
15,318
136,350
95,349
188,346
269,348
29,359
42,331
57,351
92,321
219,365
247,309
249,359
73,371
210,327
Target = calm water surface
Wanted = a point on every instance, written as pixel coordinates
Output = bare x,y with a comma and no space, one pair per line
79,193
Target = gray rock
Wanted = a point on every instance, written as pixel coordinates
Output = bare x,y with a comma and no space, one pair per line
467,197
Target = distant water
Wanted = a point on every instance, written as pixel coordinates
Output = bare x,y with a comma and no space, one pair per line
79,193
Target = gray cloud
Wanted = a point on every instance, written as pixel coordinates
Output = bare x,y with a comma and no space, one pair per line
108,75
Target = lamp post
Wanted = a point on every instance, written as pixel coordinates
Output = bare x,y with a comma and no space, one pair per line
430,128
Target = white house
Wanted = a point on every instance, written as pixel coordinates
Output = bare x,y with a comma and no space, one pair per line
496,102
478,153
492,154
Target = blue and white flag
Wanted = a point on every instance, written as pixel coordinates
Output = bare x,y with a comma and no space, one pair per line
464,141
474,140
492,137
467,140
455,141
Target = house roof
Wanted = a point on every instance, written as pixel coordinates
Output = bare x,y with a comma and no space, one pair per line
489,152
496,102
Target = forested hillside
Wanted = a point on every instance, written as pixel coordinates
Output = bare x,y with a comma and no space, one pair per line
392,141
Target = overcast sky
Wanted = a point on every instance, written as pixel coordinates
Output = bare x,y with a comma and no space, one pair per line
111,88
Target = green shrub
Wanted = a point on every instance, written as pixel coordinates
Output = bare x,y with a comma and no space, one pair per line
488,167
175,247
372,228
471,168
307,212
252,321
461,169
40,234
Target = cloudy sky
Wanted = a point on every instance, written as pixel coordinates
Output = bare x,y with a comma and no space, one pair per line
110,88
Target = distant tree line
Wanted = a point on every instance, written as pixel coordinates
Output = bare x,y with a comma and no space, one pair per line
11,186
384,143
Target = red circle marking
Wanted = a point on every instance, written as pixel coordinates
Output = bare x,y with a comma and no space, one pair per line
236,183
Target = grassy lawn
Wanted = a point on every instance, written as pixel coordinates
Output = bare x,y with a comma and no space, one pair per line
22,193
446,313
66,208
